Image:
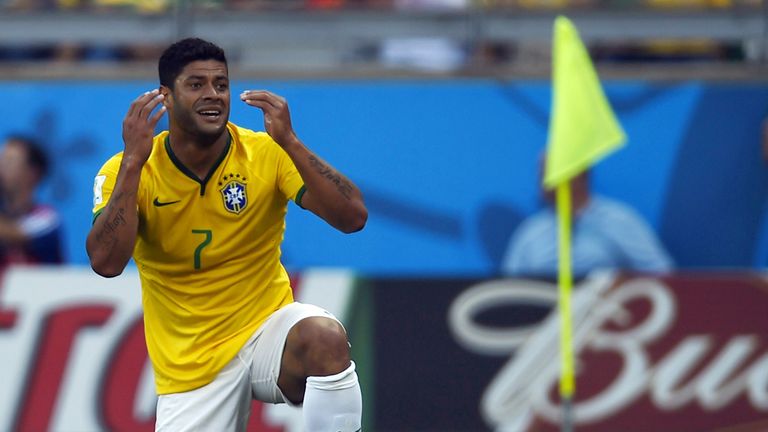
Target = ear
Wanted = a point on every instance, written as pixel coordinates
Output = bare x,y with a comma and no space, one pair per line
167,96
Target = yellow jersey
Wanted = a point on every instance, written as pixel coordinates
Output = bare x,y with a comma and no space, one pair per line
208,252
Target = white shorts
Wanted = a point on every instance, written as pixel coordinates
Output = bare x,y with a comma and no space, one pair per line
225,403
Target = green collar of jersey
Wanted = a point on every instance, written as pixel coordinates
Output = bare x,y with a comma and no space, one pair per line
189,172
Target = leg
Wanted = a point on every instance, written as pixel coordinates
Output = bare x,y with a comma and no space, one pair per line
316,346
221,405
317,371
301,355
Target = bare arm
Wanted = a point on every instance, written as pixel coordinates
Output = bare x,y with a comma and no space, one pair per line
329,194
11,233
113,235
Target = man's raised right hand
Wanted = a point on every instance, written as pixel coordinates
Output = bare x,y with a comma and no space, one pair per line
139,126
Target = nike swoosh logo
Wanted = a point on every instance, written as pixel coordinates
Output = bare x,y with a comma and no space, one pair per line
157,202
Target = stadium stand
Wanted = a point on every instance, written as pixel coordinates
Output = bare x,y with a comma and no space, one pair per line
481,37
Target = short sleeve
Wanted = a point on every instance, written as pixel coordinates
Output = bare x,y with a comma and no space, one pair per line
104,183
43,230
289,180
634,238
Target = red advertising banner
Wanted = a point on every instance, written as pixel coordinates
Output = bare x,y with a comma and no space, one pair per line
74,357
685,352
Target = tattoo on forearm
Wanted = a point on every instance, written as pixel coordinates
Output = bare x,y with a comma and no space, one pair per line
114,219
342,185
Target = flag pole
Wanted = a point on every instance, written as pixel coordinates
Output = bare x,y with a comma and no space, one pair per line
582,130
565,287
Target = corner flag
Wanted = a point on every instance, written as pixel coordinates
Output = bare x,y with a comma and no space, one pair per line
582,130
582,127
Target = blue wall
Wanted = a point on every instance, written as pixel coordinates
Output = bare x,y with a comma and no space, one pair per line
450,167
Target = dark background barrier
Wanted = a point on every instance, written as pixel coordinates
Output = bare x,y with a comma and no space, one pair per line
683,352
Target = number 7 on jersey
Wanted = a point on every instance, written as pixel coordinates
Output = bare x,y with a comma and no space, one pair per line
201,246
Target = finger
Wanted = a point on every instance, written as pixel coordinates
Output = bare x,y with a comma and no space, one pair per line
277,109
258,103
140,101
257,93
138,104
264,106
150,105
155,118
262,95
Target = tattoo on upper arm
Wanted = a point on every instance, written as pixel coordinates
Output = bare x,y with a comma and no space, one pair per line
342,185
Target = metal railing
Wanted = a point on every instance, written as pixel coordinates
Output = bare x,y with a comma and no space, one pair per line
297,40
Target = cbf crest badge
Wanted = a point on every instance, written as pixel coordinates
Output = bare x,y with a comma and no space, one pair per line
233,193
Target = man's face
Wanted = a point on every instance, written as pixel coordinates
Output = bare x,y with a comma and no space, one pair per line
14,167
199,102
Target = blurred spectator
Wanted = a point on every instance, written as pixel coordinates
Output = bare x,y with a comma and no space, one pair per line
29,232
760,259
140,6
689,3
411,50
144,6
668,51
431,54
427,53
606,234
764,140
90,51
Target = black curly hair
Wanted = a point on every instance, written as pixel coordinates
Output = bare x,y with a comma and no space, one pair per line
36,156
183,52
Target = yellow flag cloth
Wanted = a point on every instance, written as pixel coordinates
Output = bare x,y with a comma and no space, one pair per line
582,126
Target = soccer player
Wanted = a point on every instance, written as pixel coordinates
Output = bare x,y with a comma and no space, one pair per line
201,208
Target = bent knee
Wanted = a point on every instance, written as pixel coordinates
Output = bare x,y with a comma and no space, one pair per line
321,346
